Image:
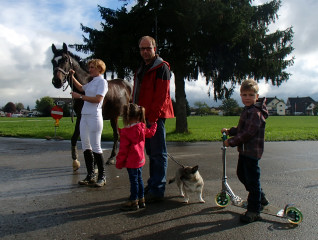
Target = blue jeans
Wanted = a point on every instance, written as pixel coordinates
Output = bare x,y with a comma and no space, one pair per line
156,149
136,183
249,172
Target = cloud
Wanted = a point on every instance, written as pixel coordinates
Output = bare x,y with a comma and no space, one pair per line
27,31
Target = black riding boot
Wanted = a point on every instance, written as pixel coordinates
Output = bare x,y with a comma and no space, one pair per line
89,161
99,159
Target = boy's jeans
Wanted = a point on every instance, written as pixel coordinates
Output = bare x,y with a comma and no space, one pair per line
136,183
156,149
248,172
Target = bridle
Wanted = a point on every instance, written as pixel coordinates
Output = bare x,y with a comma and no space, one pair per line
66,74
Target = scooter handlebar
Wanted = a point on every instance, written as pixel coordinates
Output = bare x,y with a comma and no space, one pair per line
224,136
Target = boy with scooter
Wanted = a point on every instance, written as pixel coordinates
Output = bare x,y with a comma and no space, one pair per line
248,136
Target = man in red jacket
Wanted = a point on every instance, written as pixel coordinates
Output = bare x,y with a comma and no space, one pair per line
152,91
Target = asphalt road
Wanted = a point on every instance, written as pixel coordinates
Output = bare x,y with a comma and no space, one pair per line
40,197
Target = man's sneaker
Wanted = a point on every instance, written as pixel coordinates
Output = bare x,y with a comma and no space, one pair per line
130,205
142,203
151,198
88,180
264,202
249,217
100,183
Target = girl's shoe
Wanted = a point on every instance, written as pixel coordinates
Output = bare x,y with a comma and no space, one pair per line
130,205
142,203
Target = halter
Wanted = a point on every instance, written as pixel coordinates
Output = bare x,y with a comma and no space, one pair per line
66,74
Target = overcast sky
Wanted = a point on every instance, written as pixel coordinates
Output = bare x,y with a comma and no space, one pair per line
29,27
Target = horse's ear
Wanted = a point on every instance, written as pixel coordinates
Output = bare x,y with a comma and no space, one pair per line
64,48
53,48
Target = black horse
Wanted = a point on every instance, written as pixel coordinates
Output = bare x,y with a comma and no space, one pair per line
119,94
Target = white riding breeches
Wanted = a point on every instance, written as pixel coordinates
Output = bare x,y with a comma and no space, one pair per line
91,127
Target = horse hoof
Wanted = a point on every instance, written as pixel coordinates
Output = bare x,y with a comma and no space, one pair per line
76,165
111,162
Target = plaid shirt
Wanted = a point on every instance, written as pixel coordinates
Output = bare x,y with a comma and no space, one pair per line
249,134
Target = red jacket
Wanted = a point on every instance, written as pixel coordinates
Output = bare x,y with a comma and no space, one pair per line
154,93
132,143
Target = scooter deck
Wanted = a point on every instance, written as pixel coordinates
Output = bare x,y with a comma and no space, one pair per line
269,209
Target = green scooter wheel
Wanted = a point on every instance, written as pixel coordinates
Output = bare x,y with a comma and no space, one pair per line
222,199
294,215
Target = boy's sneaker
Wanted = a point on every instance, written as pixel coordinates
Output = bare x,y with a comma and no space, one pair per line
130,205
249,217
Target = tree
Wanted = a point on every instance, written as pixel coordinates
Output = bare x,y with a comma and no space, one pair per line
230,107
316,110
19,106
44,105
10,108
175,109
225,40
202,108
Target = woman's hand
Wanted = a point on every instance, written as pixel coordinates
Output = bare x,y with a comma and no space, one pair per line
76,95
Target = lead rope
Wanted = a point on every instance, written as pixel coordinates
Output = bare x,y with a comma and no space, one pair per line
72,89
175,161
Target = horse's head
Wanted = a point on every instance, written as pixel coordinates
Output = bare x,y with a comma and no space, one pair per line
62,63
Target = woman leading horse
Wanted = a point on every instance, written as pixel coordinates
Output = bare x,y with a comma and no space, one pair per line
118,95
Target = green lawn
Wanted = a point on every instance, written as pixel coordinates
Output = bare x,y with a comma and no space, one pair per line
206,128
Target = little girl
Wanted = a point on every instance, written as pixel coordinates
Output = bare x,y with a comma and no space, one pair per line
131,152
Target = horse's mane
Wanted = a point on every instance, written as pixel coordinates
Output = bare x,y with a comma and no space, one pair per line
81,62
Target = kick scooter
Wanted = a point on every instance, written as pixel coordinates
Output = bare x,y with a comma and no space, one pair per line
226,196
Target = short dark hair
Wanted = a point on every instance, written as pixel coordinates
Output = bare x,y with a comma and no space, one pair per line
151,39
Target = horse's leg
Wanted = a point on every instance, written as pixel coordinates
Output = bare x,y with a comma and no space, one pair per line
114,125
76,133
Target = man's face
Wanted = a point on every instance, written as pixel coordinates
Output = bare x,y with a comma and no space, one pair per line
147,50
249,97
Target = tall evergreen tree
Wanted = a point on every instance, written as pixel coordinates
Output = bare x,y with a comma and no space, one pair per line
225,40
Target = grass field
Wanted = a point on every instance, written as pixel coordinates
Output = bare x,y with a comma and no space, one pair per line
206,128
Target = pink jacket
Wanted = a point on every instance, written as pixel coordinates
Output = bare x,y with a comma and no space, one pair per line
132,143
